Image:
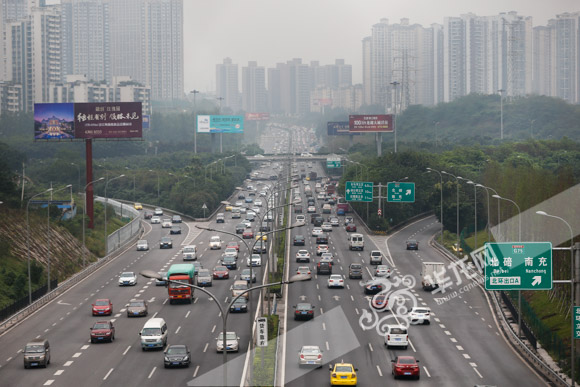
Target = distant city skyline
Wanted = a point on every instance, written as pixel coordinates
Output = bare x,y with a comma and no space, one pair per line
322,31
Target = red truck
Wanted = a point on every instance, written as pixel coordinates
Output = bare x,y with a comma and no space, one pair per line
182,272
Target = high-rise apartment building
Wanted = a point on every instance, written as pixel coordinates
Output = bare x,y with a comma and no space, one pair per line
254,95
227,85
566,30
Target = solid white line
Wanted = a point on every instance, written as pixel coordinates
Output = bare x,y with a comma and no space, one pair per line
477,372
108,373
195,372
59,372
151,374
427,371
127,350
379,371
412,346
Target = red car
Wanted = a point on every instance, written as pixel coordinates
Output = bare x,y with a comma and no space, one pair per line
234,245
102,331
380,302
221,272
405,366
351,227
102,307
248,234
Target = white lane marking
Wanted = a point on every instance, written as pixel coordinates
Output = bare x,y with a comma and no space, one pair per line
195,372
59,372
453,340
205,348
154,315
113,319
356,310
85,346
68,363
351,297
20,350
319,297
127,350
10,358
427,371
317,287
164,301
48,382
213,329
442,326
371,347
459,347
477,372
323,326
473,364
412,346
327,347
151,374
187,314
178,329
436,319
108,373
466,356
448,333
77,354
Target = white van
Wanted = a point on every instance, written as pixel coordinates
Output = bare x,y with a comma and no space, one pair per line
154,334
190,253
356,242
396,336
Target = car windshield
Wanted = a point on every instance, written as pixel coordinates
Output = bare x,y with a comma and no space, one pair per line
215,239
303,306
165,239
127,275
240,286
356,267
229,336
343,368
151,332
398,331
421,311
102,302
406,361
221,268
34,349
310,350
101,326
176,351
203,273
137,303
189,249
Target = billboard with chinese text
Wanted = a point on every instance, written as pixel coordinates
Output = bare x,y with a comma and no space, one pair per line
339,128
369,123
69,121
257,116
220,124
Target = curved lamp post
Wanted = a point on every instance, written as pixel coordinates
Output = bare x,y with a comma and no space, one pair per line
84,215
441,205
457,205
223,313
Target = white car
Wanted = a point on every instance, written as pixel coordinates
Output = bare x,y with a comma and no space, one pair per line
232,342
250,212
420,315
239,203
256,209
310,355
128,278
262,193
215,243
158,211
258,202
383,271
327,257
155,220
311,209
305,271
142,245
166,223
316,231
300,219
396,336
326,227
302,256
232,251
334,222
254,260
335,281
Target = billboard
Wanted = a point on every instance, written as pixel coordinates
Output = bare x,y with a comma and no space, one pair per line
371,123
220,124
339,128
257,116
69,121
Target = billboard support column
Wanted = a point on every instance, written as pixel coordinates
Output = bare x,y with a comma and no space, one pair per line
213,143
350,141
379,140
89,171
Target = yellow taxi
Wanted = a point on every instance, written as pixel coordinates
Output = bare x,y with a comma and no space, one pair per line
262,235
229,207
138,206
342,374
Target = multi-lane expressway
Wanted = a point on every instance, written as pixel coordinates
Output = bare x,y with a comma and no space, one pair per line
461,347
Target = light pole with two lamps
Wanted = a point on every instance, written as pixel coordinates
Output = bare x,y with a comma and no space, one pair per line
440,205
457,205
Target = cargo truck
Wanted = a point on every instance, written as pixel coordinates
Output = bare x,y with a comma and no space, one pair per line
182,272
431,274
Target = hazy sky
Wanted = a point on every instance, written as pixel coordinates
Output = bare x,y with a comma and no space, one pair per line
274,31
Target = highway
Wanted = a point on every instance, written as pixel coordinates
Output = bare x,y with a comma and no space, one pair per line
461,347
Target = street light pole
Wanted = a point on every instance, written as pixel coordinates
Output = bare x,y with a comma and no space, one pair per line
457,205
572,280
441,205
223,313
501,91
28,243
488,222
84,216
194,92
48,234
106,203
474,210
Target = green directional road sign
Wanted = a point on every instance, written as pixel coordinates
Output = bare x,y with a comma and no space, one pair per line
358,191
576,318
401,192
518,266
333,162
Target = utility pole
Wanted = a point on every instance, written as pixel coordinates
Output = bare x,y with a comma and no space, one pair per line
221,134
194,92
395,84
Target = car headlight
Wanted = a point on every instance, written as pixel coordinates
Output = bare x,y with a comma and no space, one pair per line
185,358
166,359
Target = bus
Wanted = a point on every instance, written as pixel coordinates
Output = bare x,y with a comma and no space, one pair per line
342,206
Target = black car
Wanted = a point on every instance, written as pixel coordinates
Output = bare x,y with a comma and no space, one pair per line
304,311
165,243
313,216
265,226
322,239
239,306
147,215
259,247
241,196
324,267
318,221
374,287
176,219
412,244
298,209
299,240
177,356
230,262
175,230
240,228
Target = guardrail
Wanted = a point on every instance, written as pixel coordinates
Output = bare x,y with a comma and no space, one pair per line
547,371
119,237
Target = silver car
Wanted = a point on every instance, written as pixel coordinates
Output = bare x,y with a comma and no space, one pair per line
245,275
310,355
383,271
142,245
232,342
204,278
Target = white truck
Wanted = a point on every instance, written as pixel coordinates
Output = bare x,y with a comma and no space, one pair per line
431,274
